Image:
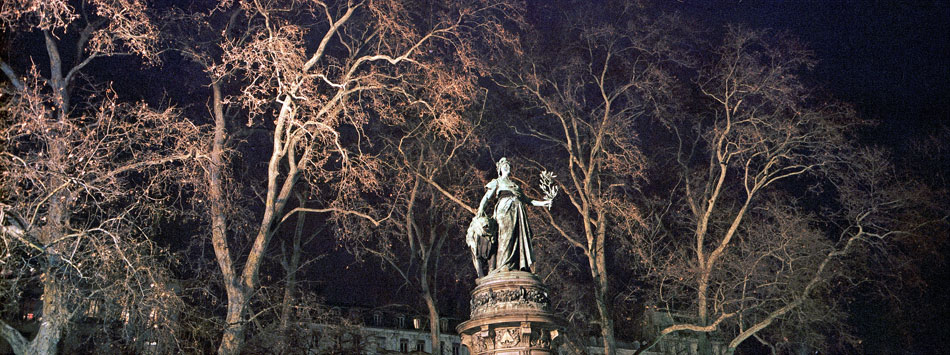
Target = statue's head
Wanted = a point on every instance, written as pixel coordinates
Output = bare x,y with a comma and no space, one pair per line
503,167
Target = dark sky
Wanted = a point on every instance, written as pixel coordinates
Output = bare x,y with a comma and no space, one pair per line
889,58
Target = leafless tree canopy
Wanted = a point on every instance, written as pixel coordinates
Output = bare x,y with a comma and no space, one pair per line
710,186
84,184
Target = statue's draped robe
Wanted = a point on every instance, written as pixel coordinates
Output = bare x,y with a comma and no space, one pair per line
514,234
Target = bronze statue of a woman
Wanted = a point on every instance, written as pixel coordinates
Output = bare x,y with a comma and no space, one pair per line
512,243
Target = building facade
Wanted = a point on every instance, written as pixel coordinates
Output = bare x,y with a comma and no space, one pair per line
374,332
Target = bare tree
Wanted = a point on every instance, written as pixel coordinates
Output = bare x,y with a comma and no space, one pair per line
427,181
84,179
312,75
85,239
735,244
609,77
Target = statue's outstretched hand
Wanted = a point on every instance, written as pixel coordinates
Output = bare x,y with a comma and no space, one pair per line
544,203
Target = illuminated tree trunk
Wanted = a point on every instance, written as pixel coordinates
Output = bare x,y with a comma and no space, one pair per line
434,324
233,337
241,286
54,318
599,274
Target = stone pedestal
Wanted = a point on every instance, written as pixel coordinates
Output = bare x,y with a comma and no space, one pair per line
511,314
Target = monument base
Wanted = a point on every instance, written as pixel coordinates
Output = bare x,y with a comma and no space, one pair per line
511,314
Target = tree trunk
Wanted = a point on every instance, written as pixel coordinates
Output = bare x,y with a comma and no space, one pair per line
57,82
55,312
606,320
17,342
291,287
241,286
233,338
598,268
433,319
52,321
54,318
427,290
704,347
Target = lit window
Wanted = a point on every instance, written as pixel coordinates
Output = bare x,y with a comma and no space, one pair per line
93,309
153,317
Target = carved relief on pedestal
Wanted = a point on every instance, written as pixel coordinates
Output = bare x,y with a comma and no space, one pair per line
527,335
479,345
507,337
482,341
507,299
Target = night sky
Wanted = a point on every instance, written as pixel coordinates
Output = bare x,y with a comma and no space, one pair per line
888,58
891,59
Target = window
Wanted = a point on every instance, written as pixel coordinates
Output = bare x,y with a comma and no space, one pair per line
154,318
404,345
441,347
455,348
377,318
401,322
444,324
420,345
93,309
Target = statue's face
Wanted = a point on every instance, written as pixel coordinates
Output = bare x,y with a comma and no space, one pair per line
504,170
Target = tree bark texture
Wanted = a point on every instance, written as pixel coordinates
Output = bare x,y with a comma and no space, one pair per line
599,274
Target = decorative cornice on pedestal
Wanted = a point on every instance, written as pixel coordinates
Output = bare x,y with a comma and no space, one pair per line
512,292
